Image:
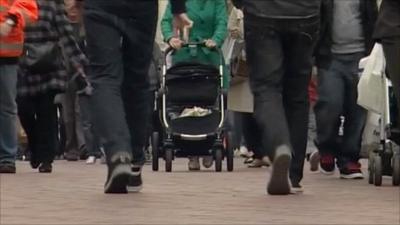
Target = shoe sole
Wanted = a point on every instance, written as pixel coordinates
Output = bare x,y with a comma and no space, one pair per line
296,191
327,173
355,176
134,189
314,161
117,184
279,182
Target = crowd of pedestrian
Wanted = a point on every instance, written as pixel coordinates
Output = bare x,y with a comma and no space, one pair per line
81,76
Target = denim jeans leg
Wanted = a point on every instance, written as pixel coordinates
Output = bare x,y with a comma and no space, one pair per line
8,113
355,115
329,108
298,42
265,59
137,48
106,75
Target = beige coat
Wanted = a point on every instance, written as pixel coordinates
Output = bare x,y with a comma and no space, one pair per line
240,98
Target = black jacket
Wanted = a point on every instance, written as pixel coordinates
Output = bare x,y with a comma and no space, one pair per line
279,9
388,24
369,13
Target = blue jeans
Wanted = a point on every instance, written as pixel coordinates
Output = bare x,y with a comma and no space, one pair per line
337,90
8,113
119,62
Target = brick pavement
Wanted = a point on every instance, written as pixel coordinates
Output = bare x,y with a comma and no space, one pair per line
73,194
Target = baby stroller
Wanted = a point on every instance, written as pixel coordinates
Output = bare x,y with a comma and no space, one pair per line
384,158
190,105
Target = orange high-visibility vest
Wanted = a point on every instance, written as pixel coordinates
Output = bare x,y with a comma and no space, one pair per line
26,12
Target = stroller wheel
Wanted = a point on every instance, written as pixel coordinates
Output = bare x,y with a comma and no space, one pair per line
396,170
218,160
371,168
168,160
155,150
229,152
377,170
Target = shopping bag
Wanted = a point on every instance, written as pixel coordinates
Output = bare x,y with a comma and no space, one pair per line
372,84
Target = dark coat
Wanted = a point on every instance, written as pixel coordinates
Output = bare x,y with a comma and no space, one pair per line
388,24
369,13
52,26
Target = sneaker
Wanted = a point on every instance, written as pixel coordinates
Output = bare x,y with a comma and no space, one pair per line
7,168
135,181
244,152
45,168
91,160
194,163
208,161
279,181
314,161
352,170
119,173
327,164
296,188
248,160
258,163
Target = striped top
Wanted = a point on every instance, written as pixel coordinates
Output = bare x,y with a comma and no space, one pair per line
52,26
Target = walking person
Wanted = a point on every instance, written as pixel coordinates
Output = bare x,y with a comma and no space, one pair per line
42,75
119,63
14,16
240,98
210,25
387,32
346,38
75,145
280,38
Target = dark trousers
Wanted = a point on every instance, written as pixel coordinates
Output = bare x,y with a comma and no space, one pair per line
279,56
120,42
252,135
38,117
91,138
337,89
391,47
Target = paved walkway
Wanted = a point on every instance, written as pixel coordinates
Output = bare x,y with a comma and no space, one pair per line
73,194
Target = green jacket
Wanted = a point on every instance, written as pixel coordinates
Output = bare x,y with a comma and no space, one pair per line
209,22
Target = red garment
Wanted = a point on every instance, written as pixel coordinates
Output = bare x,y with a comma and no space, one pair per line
312,91
25,12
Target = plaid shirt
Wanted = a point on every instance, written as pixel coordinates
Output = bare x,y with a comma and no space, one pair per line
52,26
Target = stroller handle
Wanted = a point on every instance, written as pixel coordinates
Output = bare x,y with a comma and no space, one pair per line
217,49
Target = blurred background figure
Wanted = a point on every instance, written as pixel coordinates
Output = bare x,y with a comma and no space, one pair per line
387,32
42,75
14,16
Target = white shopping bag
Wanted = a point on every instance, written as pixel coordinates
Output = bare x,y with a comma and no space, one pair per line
371,88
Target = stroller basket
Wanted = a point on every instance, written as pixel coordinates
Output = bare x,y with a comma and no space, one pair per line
192,84
196,125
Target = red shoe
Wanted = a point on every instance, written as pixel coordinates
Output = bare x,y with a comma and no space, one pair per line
327,164
352,170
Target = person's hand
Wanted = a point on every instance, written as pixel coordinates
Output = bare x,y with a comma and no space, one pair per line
5,29
210,43
182,23
175,43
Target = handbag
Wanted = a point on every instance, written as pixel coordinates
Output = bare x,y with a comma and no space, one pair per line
40,58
